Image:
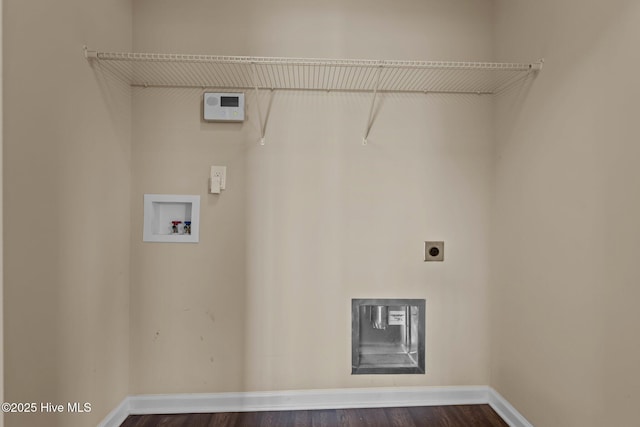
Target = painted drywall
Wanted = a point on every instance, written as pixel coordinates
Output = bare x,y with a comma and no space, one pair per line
564,306
67,160
313,218
1,238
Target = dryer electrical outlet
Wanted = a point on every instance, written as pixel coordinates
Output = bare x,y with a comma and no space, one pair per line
223,107
434,251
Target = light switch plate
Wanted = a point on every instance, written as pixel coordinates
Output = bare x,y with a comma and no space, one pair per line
434,251
221,173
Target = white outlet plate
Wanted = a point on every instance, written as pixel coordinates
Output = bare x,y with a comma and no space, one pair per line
220,172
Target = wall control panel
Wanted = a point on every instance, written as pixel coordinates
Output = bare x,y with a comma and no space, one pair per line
223,107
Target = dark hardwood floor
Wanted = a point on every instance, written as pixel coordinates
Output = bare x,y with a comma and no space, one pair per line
422,416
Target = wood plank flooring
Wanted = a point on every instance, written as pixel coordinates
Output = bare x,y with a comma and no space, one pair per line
421,416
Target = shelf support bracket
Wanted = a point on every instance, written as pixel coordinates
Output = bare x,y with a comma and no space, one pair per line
373,102
255,85
89,54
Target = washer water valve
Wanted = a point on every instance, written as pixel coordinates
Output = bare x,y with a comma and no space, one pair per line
174,227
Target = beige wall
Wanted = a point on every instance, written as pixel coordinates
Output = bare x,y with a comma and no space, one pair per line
1,238
313,218
565,320
67,160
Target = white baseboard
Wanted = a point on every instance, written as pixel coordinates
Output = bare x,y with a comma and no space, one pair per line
118,415
314,399
507,412
308,399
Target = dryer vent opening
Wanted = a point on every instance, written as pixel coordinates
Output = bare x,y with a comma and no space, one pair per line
387,336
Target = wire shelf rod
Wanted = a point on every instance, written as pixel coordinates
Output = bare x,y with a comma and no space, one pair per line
163,57
386,77
249,88
218,70
211,76
192,73
175,74
418,81
231,75
272,76
263,76
512,82
411,81
349,75
461,80
405,78
436,83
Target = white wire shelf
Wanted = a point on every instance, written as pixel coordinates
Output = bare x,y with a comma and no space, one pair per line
244,72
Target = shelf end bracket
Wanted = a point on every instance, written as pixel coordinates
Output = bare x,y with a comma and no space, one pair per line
89,54
537,66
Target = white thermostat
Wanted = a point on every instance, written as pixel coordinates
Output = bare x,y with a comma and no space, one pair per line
224,107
